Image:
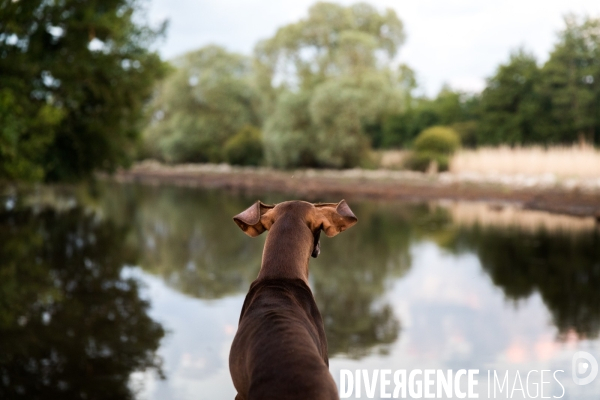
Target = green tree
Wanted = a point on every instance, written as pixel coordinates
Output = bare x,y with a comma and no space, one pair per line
23,140
332,40
510,104
571,83
449,107
204,102
324,80
74,77
245,147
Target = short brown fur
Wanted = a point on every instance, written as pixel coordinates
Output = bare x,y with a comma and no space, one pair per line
280,349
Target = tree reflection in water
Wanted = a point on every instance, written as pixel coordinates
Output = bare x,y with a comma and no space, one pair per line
563,266
350,278
189,239
71,325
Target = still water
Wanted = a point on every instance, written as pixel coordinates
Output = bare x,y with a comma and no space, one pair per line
133,292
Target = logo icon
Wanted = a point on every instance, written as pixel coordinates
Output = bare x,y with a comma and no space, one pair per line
585,368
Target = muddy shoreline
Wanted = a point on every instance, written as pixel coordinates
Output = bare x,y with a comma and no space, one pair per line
566,196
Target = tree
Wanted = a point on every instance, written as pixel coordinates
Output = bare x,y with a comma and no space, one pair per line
208,99
323,80
510,105
332,40
571,82
449,107
74,78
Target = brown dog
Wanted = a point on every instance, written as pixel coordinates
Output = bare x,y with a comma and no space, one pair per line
280,349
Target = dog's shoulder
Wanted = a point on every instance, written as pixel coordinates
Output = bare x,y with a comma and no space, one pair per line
278,291
286,299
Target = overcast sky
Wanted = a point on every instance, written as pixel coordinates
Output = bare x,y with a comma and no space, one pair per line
459,42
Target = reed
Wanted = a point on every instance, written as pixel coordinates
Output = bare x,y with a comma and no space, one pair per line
563,162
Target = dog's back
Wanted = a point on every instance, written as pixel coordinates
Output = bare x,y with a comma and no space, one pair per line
280,349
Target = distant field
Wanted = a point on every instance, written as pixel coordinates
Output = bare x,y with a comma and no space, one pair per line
563,162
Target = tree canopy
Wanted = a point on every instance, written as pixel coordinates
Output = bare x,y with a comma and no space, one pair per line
74,78
208,99
333,71
556,103
571,82
77,85
510,105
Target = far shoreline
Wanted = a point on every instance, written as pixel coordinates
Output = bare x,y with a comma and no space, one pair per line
571,196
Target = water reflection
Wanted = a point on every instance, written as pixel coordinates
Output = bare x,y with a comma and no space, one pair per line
188,237
71,325
526,252
411,282
564,267
351,276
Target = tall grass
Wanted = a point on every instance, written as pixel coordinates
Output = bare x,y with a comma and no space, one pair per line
564,162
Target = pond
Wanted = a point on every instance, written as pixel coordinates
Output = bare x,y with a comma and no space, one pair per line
119,291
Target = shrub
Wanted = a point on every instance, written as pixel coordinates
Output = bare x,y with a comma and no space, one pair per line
245,147
420,161
437,139
433,144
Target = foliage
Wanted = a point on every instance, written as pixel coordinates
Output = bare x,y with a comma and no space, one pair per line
448,108
522,103
557,103
510,105
433,144
74,78
570,83
438,139
421,161
204,102
467,131
245,147
324,80
333,41
290,139
24,141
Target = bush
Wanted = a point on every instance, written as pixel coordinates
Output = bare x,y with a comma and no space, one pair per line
433,144
420,161
437,139
245,147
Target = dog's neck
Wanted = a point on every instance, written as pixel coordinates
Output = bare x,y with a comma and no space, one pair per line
287,250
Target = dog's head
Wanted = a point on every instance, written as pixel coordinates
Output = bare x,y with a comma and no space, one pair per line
330,218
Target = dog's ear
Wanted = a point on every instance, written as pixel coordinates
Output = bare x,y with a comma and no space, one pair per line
255,219
336,218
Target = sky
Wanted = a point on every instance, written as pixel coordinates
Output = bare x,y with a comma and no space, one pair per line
458,42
